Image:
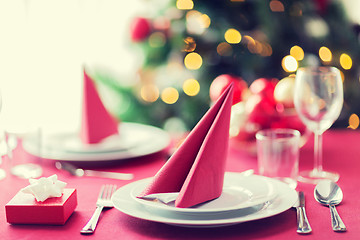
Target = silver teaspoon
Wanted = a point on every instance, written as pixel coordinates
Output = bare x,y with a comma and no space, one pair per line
329,193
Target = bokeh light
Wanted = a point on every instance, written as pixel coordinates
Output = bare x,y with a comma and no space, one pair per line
191,87
232,36
297,52
190,44
170,95
149,93
276,6
184,4
345,61
325,54
266,50
224,49
196,22
157,39
354,121
193,61
289,64
205,20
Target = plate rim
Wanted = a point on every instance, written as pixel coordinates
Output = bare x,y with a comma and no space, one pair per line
229,175
287,197
136,151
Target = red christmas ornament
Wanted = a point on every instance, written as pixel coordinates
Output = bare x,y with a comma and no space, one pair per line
260,109
140,29
221,82
264,86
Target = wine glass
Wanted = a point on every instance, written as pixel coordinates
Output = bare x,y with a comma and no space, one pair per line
318,100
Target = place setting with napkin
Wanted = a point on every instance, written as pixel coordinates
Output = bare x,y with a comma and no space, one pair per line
192,188
101,136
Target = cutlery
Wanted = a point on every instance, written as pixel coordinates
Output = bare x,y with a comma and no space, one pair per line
329,193
79,172
302,220
103,201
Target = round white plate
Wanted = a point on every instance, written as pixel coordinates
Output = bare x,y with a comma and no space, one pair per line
239,192
124,202
134,140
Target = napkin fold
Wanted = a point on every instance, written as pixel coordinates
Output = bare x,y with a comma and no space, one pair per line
96,122
196,170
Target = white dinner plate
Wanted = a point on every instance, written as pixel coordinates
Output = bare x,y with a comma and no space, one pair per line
239,192
286,197
134,140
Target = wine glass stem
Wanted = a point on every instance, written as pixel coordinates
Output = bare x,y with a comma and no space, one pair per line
318,168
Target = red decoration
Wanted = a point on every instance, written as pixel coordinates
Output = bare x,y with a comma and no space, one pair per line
24,209
264,87
322,5
263,110
221,82
140,29
260,109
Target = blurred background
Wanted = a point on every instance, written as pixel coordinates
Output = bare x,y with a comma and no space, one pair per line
154,61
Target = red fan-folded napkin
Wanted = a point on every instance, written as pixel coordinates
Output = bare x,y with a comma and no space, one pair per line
197,168
96,123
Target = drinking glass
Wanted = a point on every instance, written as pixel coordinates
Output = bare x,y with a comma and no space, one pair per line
24,165
318,100
278,154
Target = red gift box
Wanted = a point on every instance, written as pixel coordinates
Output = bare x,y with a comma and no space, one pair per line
24,209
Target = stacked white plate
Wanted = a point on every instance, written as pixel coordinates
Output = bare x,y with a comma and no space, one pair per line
134,140
244,198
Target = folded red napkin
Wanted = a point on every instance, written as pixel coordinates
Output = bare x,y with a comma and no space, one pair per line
197,168
97,123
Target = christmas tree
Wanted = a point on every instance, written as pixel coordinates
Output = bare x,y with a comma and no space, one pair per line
187,44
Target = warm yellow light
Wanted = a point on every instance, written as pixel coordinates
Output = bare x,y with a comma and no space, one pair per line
289,64
354,121
266,50
297,52
190,44
255,47
170,95
342,76
193,61
345,61
224,49
232,36
325,54
276,6
205,20
196,22
184,4
191,87
149,93
157,39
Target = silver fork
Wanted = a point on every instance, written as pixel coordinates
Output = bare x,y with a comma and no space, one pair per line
103,201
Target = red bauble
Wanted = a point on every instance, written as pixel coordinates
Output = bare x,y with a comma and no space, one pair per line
260,110
140,29
264,87
221,82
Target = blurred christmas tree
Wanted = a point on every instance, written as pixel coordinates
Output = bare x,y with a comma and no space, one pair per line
186,44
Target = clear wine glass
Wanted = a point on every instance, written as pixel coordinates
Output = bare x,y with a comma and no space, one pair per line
318,100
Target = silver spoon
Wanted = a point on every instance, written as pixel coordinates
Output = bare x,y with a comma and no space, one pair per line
329,193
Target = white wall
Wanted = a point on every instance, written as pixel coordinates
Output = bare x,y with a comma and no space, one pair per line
43,46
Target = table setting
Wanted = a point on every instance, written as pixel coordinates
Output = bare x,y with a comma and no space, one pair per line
206,189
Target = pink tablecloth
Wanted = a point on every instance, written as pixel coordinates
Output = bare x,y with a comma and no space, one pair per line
341,153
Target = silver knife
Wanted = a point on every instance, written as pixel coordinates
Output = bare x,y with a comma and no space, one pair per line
79,172
302,220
